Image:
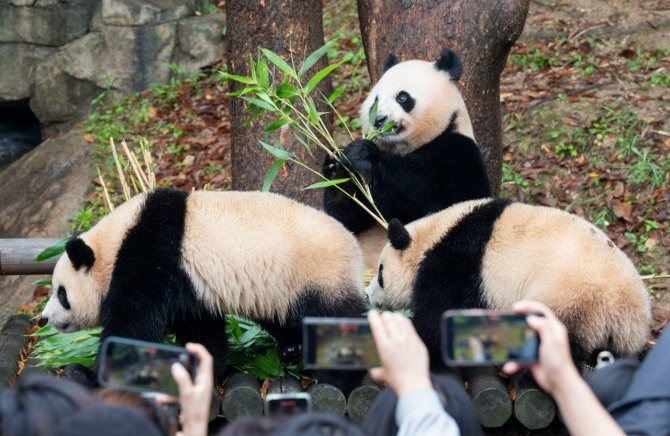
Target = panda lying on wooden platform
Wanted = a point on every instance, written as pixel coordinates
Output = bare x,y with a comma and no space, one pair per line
491,253
175,261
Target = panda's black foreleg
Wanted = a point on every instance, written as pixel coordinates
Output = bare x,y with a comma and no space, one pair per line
208,330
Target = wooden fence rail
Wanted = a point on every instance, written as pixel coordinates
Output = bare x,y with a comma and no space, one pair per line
17,254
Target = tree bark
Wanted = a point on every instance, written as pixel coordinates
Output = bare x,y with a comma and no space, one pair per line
480,31
290,28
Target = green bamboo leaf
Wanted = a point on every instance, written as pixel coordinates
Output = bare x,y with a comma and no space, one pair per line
279,62
304,144
241,79
318,77
336,93
263,73
55,250
45,282
277,152
326,183
373,114
312,112
277,124
252,69
250,334
253,116
260,103
271,175
314,57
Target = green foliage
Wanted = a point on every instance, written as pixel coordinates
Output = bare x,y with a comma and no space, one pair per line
251,349
56,349
287,99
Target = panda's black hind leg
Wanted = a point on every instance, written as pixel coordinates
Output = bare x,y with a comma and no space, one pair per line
210,331
80,374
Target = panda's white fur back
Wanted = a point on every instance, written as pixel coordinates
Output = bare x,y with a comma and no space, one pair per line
542,254
301,247
570,265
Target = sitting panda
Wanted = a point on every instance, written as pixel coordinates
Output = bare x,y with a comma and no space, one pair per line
491,253
428,161
176,261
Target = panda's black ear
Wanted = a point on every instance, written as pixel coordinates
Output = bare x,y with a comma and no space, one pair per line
398,235
79,253
391,60
451,63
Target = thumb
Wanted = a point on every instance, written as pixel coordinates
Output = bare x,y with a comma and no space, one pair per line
377,374
181,376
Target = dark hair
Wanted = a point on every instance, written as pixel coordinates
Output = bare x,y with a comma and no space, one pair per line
152,410
250,426
38,402
317,424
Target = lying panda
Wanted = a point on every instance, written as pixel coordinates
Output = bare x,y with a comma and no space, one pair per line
427,162
491,253
175,261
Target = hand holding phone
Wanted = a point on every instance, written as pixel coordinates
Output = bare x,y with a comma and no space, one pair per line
142,366
338,343
475,337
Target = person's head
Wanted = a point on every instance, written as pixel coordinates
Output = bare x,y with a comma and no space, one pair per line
38,402
152,410
106,420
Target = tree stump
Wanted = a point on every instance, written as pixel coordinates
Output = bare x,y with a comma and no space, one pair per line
327,398
284,385
361,398
532,406
489,396
241,396
12,340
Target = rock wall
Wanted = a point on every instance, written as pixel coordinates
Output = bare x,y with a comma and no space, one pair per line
61,54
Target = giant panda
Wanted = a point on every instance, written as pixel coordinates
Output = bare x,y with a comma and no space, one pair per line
428,161
491,253
176,261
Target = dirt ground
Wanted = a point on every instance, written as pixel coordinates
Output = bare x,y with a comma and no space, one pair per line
575,61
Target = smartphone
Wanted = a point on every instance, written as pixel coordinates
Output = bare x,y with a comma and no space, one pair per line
142,366
474,337
287,404
338,343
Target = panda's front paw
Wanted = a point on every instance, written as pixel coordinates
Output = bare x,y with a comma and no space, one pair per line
80,374
332,169
291,354
361,154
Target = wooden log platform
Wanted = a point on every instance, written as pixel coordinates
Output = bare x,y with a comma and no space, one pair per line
489,395
534,408
327,398
241,396
361,398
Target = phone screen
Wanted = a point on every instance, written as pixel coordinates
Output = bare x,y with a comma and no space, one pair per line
287,404
482,337
338,343
141,366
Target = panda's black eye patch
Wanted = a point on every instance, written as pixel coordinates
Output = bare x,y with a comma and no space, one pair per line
62,298
405,101
380,278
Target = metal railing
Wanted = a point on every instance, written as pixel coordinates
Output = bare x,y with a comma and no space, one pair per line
17,254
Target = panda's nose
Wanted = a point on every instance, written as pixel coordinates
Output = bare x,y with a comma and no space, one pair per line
380,120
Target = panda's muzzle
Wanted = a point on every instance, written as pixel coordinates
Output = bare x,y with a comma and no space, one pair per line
380,120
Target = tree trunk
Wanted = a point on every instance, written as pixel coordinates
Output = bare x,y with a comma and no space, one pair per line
480,31
290,28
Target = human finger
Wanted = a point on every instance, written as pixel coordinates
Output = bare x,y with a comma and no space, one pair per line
181,376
